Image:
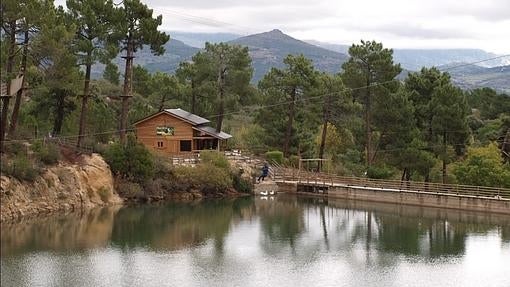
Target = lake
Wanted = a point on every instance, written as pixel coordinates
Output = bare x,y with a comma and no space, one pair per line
275,241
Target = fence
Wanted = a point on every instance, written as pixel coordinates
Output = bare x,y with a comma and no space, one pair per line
321,179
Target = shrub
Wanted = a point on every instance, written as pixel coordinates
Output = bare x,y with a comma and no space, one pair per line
380,172
240,184
48,153
20,167
215,158
129,189
483,166
131,161
206,176
104,194
15,148
274,156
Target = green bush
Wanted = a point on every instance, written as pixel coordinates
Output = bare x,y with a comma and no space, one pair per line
207,177
47,153
131,161
275,157
15,148
215,158
20,167
380,172
240,184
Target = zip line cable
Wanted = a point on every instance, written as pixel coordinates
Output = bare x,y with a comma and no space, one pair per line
253,109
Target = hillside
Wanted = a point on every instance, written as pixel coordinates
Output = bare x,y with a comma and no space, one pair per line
270,48
415,59
175,52
470,77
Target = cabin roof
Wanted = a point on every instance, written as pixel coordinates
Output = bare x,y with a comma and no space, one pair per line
180,114
187,116
212,132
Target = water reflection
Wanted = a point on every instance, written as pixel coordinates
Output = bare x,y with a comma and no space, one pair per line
208,240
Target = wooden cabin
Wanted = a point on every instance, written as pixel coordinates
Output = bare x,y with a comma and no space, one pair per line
176,131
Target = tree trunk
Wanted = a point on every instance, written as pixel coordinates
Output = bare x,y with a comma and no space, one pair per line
193,97
162,103
59,112
444,157
221,95
8,71
127,92
368,130
324,131
288,133
84,101
19,94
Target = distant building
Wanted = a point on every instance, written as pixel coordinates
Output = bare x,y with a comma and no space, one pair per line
176,131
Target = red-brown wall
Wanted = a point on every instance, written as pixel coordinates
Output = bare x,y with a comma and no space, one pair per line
146,133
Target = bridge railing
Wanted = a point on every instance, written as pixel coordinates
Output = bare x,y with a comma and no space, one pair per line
287,174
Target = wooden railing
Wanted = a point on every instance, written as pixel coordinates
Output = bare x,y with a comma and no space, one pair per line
321,179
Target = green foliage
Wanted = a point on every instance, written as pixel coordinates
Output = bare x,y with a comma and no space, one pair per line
20,167
380,172
111,73
214,158
217,79
208,177
371,65
290,125
274,156
47,153
132,161
483,166
490,104
240,184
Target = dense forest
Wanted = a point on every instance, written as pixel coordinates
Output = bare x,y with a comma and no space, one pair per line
364,120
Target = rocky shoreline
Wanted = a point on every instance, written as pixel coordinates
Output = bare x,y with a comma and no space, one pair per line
84,184
65,187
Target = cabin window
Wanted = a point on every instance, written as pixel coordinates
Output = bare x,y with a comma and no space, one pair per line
185,145
165,131
160,144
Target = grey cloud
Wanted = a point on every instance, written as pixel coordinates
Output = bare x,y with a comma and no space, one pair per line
410,30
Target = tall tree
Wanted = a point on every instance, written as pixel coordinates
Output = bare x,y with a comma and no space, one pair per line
436,103
369,72
287,89
52,49
136,28
337,105
449,122
10,17
33,13
94,22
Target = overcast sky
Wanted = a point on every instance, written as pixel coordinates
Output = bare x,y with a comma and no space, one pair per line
481,24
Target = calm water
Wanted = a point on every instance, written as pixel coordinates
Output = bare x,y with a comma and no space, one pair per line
286,241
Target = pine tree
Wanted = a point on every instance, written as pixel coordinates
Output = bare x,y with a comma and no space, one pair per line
288,89
136,29
93,19
370,72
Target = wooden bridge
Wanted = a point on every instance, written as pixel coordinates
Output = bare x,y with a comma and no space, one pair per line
321,183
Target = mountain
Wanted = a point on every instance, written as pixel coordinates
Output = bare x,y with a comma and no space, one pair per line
175,52
415,59
268,50
198,39
470,77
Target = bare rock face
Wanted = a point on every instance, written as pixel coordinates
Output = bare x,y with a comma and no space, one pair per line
63,187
